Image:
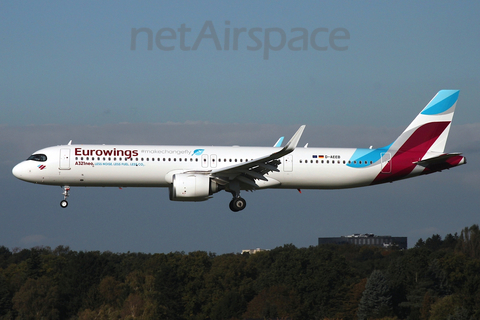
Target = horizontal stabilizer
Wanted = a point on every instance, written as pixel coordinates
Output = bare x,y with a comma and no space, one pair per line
436,160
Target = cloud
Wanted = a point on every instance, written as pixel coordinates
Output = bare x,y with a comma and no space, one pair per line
33,239
465,137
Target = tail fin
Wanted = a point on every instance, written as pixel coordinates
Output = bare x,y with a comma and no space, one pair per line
428,132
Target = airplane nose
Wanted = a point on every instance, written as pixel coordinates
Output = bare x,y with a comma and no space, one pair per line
18,171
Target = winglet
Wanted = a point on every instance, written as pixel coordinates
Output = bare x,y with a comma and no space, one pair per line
279,142
292,144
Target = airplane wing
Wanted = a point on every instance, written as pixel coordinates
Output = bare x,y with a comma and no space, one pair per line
247,172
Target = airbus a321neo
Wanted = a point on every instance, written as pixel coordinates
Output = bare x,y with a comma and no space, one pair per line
195,173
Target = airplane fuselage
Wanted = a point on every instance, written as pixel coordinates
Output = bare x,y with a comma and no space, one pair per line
195,173
154,166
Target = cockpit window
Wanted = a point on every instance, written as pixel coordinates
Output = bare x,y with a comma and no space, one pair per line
38,157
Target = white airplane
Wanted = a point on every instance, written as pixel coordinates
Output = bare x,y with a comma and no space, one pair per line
195,173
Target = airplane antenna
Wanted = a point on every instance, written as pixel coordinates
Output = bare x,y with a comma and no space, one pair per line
69,143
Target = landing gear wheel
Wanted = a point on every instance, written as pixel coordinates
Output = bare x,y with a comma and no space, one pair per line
237,204
66,193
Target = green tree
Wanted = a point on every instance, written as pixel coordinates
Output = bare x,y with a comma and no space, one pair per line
111,291
34,264
230,306
420,243
376,299
37,299
444,307
168,288
352,300
434,242
5,296
5,255
272,303
426,306
469,241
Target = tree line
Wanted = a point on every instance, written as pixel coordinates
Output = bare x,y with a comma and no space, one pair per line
436,279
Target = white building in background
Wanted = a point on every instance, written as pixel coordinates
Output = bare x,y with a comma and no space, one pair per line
252,251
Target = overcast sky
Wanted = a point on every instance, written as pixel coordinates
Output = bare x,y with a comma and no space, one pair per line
69,72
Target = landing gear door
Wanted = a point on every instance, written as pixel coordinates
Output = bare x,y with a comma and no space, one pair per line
64,159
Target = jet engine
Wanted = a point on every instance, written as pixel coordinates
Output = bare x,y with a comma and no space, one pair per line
192,187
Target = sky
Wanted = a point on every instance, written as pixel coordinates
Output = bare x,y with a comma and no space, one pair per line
233,73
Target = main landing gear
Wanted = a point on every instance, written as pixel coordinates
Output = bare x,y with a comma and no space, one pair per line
237,204
66,193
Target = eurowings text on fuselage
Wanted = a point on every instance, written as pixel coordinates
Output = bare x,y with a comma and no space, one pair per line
195,173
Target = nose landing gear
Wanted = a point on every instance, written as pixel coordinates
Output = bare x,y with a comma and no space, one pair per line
66,193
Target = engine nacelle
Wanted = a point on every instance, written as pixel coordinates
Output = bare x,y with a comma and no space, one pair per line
192,187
